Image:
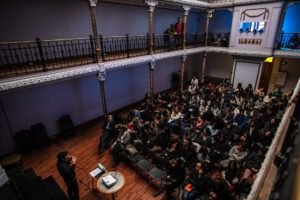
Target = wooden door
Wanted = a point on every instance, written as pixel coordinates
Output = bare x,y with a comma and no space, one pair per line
265,76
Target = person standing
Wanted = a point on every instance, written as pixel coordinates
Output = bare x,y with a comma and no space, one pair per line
108,133
66,167
168,36
178,31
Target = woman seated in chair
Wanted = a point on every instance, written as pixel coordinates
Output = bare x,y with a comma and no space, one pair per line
119,146
196,183
175,177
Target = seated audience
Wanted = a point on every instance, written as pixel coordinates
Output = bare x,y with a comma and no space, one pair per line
216,133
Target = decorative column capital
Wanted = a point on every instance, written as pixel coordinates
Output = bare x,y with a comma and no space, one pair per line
152,64
186,9
102,74
210,13
183,58
92,3
151,4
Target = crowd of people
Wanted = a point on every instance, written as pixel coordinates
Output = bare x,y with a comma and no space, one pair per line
214,136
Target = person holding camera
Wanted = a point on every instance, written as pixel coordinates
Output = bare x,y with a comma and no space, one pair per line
66,167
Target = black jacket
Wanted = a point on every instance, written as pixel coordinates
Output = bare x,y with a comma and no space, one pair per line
66,171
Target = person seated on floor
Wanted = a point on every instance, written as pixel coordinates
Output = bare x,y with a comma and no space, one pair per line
196,183
192,89
231,174
203,155
244,186
188,152
174,121
249,91
173,150
174,178
237,153
109,133
204,138
195,81
219,190
238,89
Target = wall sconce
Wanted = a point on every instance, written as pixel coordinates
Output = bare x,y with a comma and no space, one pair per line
283,62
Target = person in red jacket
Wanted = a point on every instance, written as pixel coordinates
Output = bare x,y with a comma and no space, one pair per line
178,32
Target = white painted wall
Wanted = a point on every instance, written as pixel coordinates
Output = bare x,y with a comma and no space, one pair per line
268,37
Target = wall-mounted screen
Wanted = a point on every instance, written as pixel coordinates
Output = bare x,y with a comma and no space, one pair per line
253,27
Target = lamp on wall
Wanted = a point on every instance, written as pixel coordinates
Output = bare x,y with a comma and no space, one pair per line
269,60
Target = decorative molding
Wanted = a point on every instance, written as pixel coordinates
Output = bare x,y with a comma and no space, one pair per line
183,58
287,54
151,4
265,13
186,9
83,70
101,75
210,13
35,79
152,64
93,3
218,5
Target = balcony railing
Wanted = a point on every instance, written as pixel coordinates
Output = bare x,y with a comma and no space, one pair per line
289,41
20,58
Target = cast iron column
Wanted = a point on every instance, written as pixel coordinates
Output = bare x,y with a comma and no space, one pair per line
183,59
92,6
186,12
151,4
208,16
152,65
101,78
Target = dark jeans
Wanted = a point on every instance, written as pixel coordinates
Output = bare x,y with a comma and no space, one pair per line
105,140
73,190
178,40
190,195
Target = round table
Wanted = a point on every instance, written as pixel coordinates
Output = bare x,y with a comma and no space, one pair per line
114,189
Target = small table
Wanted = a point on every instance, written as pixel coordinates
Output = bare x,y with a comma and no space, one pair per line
114,189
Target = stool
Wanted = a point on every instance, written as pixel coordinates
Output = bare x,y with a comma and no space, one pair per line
12,161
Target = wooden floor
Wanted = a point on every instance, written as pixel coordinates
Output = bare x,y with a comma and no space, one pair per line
84,145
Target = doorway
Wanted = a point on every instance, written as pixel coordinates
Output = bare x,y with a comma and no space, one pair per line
265,76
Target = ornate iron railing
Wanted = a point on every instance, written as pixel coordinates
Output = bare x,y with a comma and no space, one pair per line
289,41
19,58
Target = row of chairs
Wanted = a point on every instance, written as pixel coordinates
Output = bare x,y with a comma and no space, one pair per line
150,164
38,137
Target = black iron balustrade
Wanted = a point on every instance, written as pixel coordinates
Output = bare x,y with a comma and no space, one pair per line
19,58
117,47
195,40
218,39
289,41
220,1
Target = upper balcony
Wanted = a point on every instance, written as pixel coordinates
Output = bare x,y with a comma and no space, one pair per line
27,57
289,38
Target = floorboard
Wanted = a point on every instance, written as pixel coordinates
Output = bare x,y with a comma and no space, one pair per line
84,145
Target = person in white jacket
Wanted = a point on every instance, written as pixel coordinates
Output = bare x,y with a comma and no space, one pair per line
237,153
